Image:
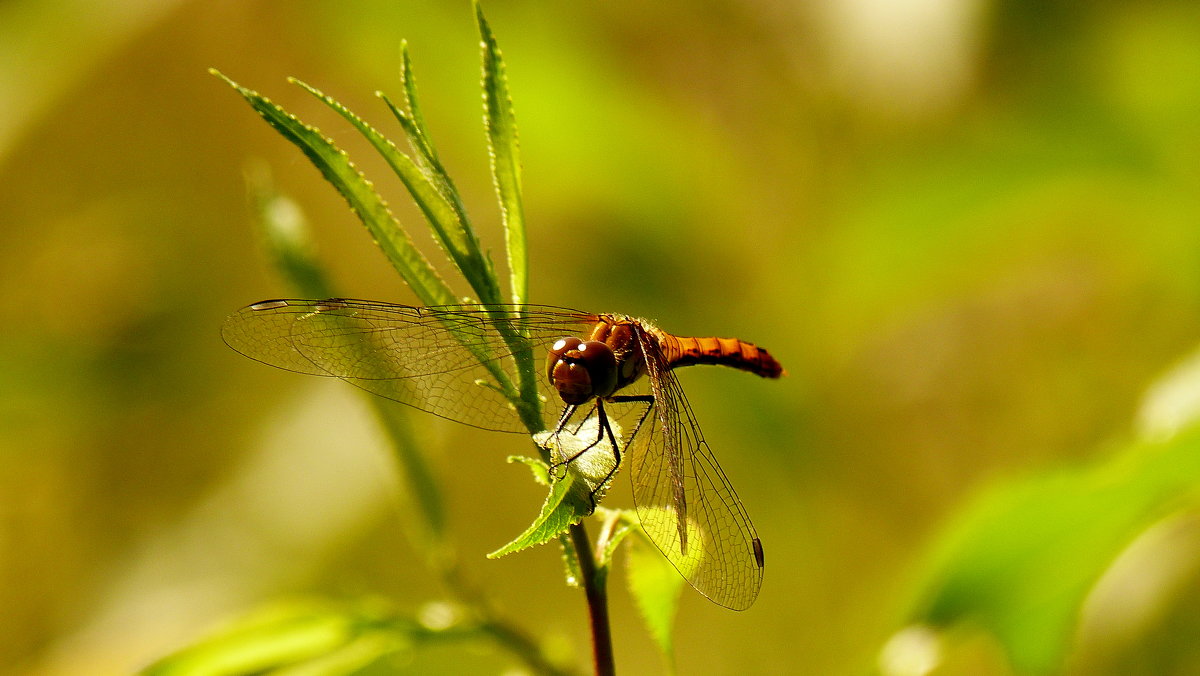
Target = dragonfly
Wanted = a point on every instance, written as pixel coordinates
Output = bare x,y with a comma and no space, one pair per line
464,363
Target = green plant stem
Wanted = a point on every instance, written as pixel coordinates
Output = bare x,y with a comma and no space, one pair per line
594,586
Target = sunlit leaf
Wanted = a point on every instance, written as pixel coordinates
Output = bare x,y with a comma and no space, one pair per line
655,586
417,132
617,525
540,470
1020,561
413,123
574,495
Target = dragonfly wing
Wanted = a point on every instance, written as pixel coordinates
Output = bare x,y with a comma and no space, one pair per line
685,502
453,361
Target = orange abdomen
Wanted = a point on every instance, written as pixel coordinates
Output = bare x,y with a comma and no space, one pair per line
684,351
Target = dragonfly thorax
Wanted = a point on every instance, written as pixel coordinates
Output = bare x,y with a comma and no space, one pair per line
623,336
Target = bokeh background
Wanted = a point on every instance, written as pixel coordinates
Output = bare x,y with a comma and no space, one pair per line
969,229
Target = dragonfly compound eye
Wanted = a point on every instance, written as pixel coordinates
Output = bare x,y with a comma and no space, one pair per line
582,370
601,365
557,350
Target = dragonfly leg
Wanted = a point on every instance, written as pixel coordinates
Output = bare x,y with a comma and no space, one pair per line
562,425
599,437
603,428
568,411
647,399
606,428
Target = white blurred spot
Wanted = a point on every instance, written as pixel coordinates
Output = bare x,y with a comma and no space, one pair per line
287,221
1172,402
905,55
1141,584
913,651
439,615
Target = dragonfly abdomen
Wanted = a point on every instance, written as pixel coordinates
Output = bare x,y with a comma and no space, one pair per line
738,354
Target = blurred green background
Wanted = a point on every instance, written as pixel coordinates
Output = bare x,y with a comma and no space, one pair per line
969,230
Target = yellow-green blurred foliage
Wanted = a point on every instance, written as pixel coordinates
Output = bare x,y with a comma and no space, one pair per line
970,231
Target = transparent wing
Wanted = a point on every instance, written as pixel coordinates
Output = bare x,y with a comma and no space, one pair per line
453,361
685,502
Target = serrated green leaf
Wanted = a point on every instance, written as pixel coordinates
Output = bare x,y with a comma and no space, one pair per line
504,153
419,133
563,507
505,158
413,123
358,192
427,160
394,241
655,586
541,471
452,232
1021,559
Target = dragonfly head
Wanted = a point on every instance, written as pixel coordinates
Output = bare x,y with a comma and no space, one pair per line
580,369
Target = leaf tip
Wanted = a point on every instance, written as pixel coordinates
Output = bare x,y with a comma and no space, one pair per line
216,73
484,30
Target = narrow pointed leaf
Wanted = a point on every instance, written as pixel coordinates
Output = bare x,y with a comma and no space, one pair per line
419,134
505,158
358,192
432,167
453,235
413,123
